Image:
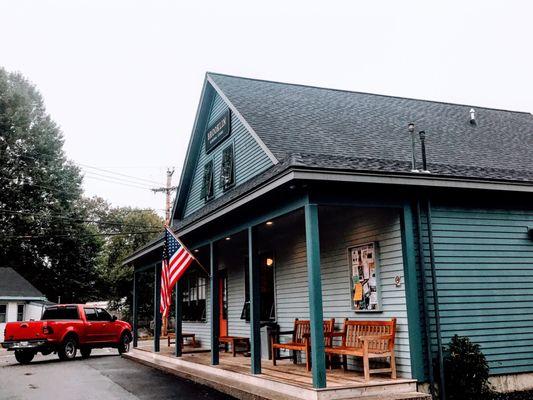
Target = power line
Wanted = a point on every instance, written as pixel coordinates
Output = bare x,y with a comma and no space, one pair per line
78,236
100,222
115,182
118,173
85,166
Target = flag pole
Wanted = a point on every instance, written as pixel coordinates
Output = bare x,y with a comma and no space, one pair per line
194,258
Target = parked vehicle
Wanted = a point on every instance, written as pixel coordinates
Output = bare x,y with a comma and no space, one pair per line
65,329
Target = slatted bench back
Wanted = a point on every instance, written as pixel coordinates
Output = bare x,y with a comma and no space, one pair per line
302,329
354,330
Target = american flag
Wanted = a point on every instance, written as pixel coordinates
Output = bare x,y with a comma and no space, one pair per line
176,260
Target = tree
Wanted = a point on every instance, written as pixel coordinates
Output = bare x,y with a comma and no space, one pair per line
40,233
116,280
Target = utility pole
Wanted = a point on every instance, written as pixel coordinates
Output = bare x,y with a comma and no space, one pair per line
168,189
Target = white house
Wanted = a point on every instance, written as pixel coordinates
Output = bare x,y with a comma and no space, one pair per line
19,299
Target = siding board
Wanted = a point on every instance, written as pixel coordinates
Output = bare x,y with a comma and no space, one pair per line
484,265
250,159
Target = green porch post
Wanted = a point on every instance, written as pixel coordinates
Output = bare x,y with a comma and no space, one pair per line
318,361
135,306
411,293
215,310
157,300
255,310
178,319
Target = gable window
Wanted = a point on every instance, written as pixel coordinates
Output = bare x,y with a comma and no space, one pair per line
194,289
207,184
227,170
20,312
3,312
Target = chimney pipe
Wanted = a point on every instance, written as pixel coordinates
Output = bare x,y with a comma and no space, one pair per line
422,135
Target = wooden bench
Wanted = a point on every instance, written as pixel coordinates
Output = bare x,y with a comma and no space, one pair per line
184,336
235,341
366,339
300,340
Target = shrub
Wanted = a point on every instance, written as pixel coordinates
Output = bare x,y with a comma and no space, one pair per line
466,371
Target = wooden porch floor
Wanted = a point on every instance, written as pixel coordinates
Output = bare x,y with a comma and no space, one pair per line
286,373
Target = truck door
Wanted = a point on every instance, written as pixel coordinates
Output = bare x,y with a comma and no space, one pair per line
109,328
95,328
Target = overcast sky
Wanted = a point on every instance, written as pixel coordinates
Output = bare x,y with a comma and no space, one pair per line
123,78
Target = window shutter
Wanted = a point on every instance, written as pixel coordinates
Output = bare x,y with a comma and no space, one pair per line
227,172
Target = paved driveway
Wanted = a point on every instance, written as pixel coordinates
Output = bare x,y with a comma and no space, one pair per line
104,376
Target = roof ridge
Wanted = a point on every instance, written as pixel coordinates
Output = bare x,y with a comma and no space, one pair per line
367,93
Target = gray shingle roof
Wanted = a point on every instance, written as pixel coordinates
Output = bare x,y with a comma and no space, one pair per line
14,285
327,128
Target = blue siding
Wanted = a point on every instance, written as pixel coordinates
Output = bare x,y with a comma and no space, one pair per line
484,264
250,159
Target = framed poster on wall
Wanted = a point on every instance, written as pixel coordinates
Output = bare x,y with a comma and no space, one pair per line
364,273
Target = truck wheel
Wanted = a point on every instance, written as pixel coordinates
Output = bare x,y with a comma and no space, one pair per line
68,349
85,352
124,345
24,356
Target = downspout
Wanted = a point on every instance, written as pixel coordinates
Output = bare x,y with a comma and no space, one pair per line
422,258
442,390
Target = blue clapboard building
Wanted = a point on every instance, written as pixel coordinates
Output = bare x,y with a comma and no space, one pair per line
282,183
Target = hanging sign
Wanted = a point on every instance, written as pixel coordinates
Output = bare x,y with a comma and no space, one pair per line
218,131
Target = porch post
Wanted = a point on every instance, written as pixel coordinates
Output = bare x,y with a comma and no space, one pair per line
157,313
135,311
411,293
318,362
178,319
255,310
215,306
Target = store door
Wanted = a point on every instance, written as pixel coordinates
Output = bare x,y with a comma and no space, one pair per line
223,302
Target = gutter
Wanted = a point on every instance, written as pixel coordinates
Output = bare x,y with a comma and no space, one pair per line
427,180
300,173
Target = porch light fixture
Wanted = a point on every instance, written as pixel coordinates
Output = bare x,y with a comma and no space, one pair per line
228,238
269,262
269,223
196,250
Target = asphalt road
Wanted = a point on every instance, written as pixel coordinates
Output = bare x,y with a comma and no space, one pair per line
104,376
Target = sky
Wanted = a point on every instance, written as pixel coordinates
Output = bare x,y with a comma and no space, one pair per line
123,78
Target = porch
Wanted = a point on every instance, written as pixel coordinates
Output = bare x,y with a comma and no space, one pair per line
285,381
276,270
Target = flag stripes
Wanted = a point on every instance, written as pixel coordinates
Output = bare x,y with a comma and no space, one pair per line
176,260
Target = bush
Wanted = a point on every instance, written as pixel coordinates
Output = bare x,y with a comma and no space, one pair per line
466,371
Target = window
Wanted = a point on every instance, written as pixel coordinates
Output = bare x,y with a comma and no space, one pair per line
194,296
3,310
227,169
68,312
207,184
364,272
20,312
267,294
90,314
103,315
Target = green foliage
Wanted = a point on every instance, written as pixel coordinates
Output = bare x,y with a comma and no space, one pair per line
116,282
466,371
45,233
39,184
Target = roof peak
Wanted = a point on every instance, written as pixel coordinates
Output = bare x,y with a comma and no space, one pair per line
363,93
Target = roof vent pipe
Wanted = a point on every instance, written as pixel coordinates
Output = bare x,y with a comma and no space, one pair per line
473,116
422,135
411,129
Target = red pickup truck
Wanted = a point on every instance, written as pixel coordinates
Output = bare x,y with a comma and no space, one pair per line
64,329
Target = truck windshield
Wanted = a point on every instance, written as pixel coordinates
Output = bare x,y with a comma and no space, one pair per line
69,312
